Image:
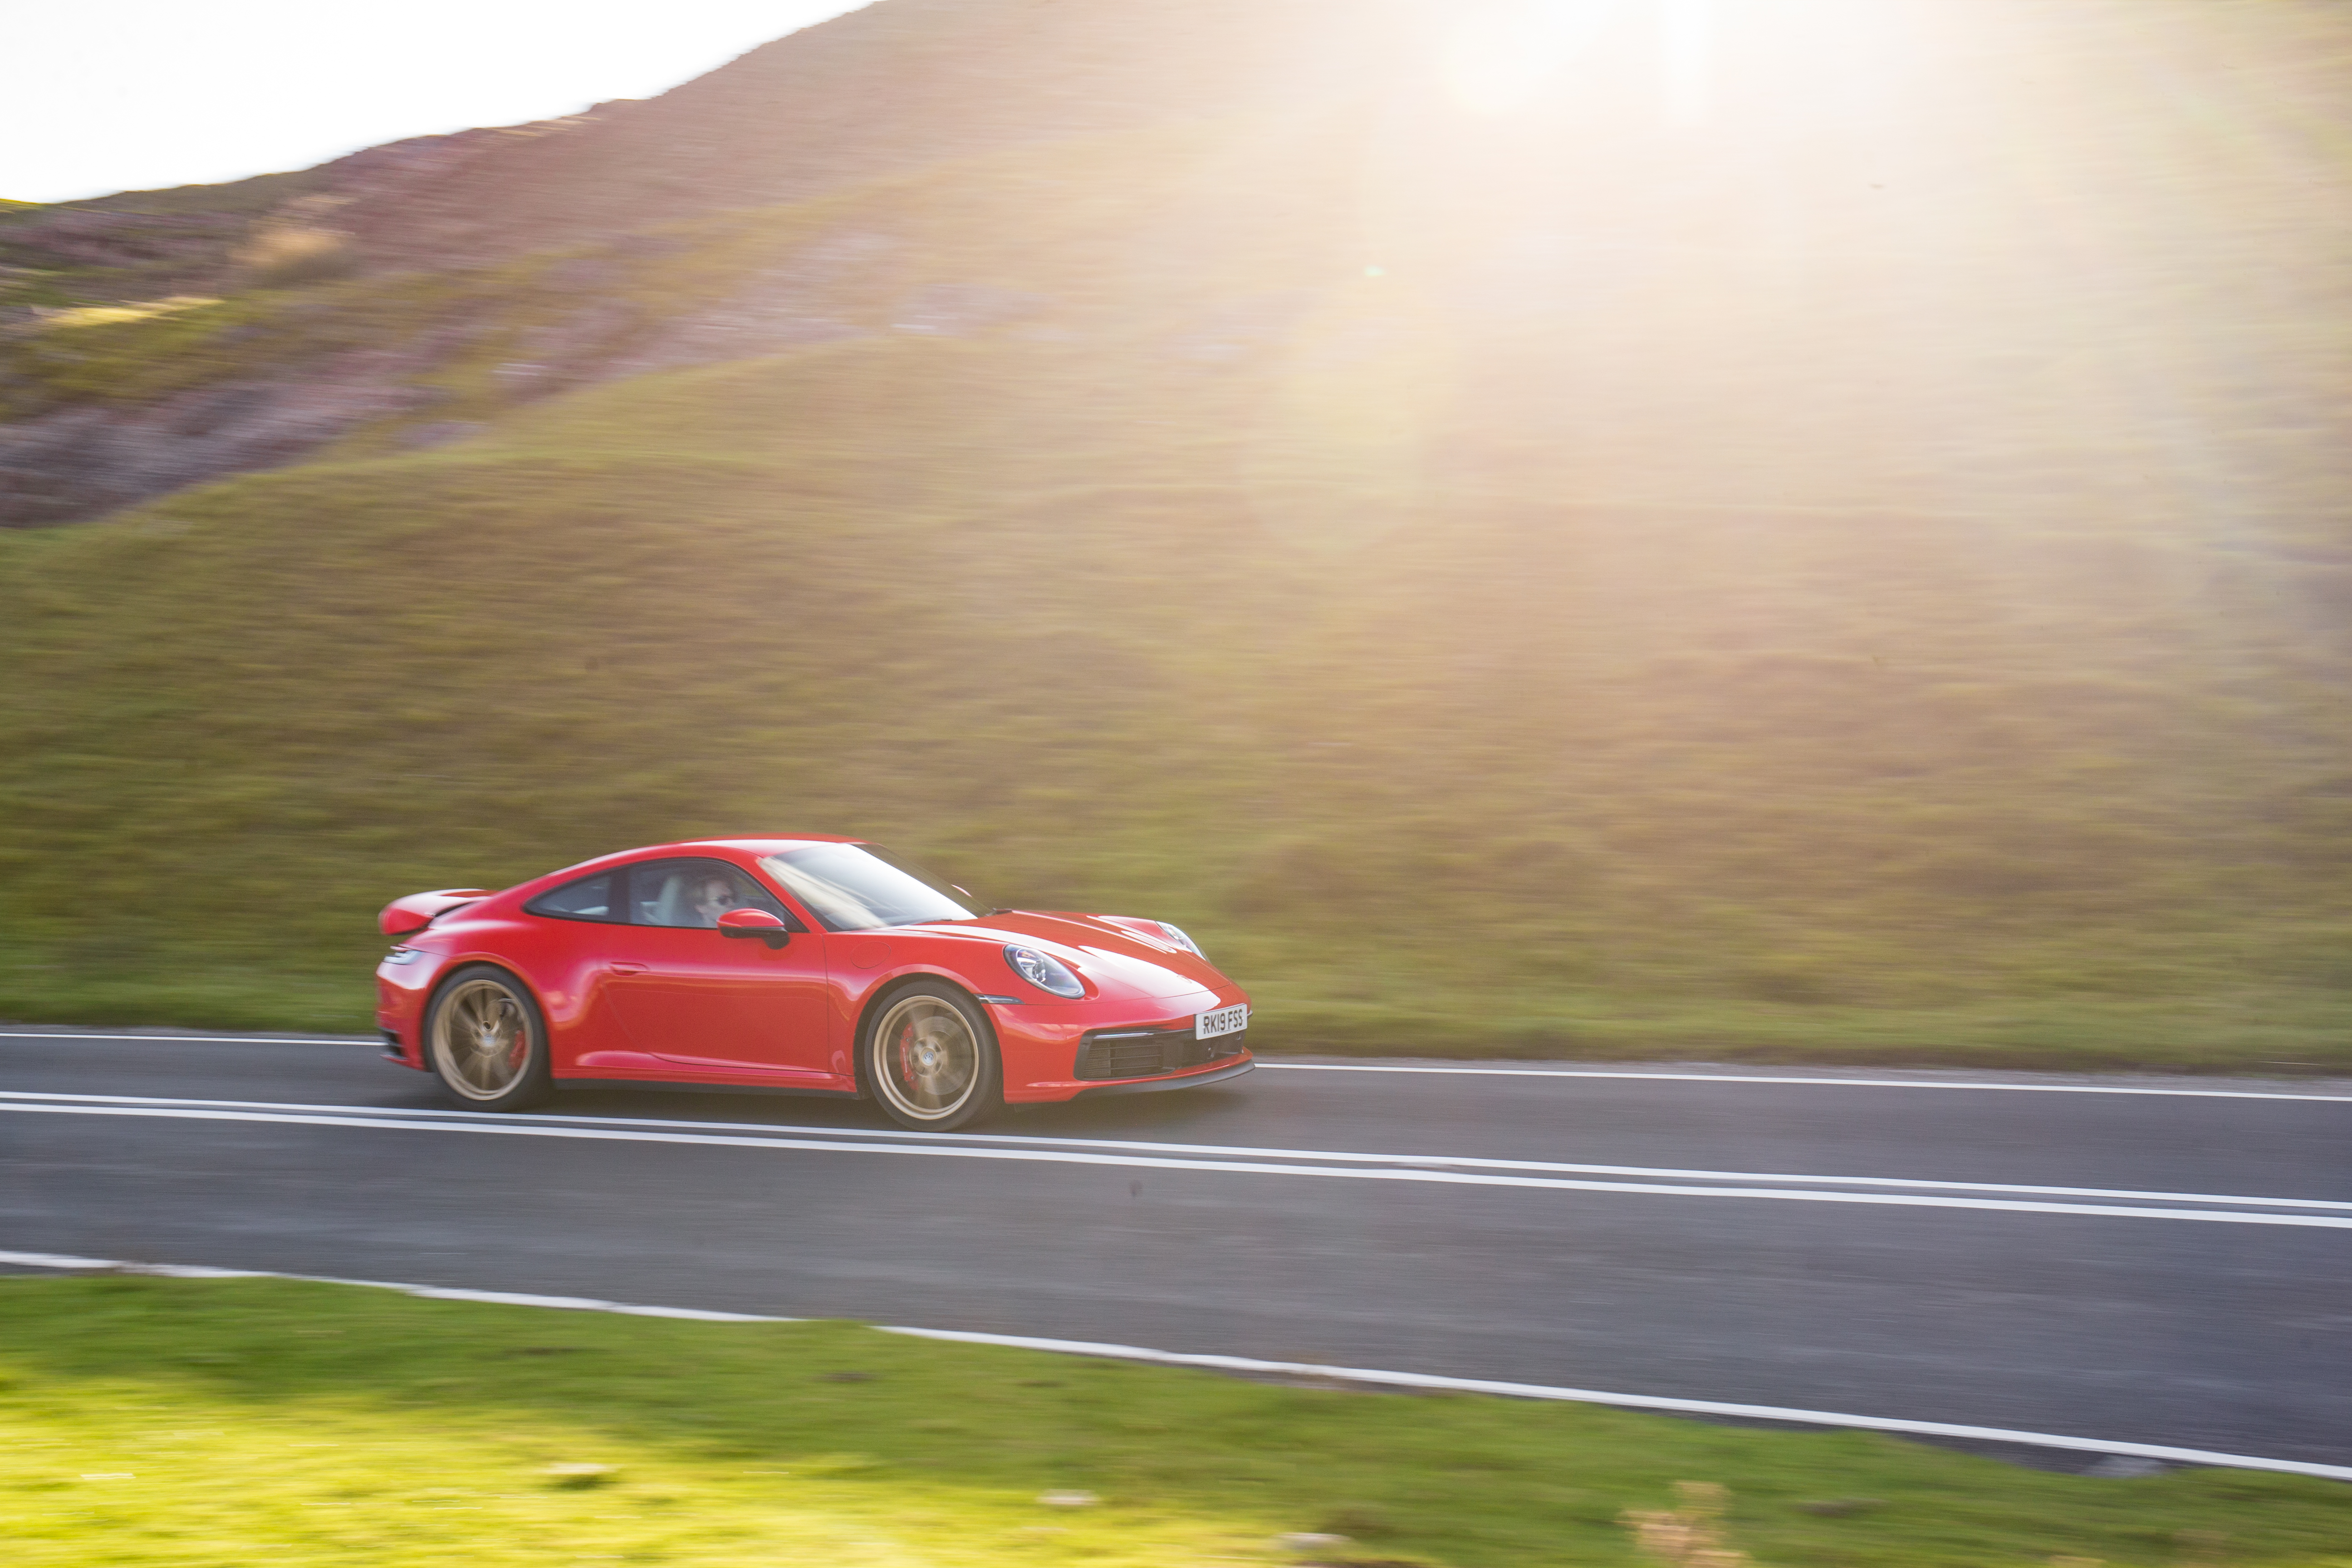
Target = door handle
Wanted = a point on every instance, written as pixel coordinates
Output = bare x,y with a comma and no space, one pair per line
624,967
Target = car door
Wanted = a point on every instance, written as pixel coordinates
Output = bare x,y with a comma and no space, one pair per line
691,994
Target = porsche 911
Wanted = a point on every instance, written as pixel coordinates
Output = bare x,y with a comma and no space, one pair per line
812,965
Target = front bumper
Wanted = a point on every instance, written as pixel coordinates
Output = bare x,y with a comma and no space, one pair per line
1057,1051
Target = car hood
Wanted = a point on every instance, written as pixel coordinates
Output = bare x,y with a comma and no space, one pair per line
1117,961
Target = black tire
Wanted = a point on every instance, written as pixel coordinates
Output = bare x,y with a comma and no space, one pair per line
928,1057
485,1040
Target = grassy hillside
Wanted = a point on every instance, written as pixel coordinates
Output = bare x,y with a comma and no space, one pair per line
1488,628
132,246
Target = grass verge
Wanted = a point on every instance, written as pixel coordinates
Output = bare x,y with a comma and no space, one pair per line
153,1421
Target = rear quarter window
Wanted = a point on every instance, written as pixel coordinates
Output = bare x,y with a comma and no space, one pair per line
589,899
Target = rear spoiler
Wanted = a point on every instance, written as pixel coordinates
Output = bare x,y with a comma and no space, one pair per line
418,910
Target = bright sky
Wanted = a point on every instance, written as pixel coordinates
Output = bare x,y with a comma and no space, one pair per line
112,95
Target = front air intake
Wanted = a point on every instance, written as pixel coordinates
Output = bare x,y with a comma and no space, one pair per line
1145,1053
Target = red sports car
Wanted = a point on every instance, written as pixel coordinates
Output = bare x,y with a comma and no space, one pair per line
815,965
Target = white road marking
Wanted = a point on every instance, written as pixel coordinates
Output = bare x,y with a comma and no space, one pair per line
191,1039
1375,1067
1809,1082
1633,1400
53,1260
830,1144
65,1261
1277,1368
1417,1161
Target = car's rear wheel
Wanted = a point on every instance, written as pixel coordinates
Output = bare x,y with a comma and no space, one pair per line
487,1042
930,1060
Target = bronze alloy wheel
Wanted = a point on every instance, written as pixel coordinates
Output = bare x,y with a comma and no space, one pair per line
485,1041
929,1060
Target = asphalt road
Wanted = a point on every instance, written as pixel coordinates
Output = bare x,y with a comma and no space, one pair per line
1821,1244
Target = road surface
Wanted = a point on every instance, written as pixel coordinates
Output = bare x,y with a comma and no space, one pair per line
2069,1256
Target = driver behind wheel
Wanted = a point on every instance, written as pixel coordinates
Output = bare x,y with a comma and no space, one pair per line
707,898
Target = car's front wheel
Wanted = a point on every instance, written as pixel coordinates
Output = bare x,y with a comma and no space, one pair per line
930,1060
486,1041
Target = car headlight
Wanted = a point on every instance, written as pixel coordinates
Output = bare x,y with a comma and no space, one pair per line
1176,934
1045,974
403,955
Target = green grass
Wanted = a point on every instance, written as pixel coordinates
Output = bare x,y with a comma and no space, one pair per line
1718,658
150,1421
1445,791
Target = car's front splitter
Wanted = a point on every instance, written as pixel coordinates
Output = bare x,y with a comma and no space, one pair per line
1151,1084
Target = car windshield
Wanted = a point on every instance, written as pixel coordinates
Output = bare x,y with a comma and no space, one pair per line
857,886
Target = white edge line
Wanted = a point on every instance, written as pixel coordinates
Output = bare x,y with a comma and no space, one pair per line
193,1039
67,1261
783,1131
1814,1082
1231,1167
63,1262
1635,1401
1370,1067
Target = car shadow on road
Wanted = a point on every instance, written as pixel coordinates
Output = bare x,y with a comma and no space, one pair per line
1191,1114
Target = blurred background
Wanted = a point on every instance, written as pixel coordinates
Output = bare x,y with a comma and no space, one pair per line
1772,527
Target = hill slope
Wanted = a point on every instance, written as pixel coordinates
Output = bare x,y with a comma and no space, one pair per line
1508,578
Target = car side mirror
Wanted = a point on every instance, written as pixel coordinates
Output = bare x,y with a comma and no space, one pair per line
757,924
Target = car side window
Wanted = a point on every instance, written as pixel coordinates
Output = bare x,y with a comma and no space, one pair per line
589,899
695,893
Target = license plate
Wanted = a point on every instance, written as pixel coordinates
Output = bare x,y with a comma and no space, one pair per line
1218,1021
